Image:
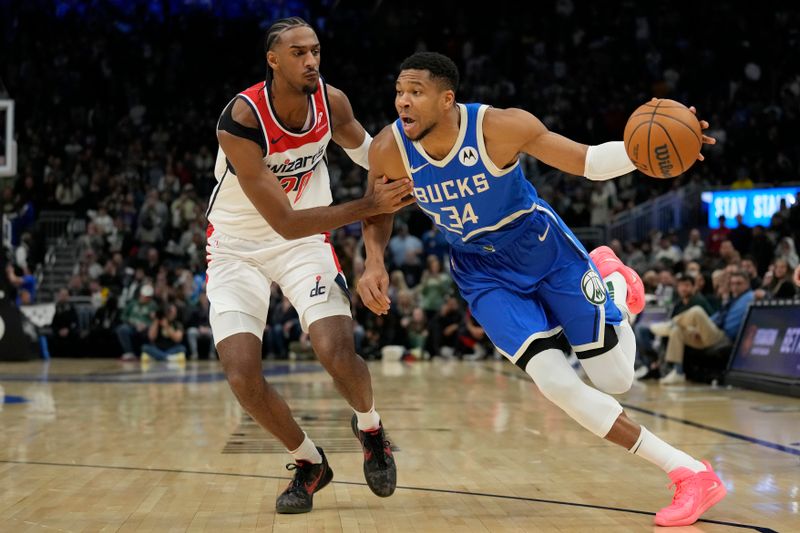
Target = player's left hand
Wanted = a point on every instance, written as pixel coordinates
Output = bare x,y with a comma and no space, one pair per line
703,126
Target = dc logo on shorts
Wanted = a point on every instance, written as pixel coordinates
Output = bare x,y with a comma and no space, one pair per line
468,156
593,288
317,290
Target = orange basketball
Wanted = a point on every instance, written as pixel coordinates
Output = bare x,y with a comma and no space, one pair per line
663,138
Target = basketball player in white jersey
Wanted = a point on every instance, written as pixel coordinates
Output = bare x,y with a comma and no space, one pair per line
268,218
529,282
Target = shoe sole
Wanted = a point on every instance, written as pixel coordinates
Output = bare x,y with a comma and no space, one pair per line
713,499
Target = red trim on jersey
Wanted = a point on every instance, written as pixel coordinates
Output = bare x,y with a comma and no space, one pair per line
285,140
327,235
209,231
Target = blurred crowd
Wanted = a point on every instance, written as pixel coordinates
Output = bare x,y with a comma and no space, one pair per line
116,113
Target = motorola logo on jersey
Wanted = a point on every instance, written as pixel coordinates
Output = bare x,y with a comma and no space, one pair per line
593,288
468,156
300,163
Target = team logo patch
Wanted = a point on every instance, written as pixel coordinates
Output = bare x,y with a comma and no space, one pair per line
593,288
468,156
317,290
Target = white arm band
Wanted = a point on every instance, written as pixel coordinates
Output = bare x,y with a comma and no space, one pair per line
359,155
606,161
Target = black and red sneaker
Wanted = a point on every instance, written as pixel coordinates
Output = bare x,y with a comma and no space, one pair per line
379,468
308,479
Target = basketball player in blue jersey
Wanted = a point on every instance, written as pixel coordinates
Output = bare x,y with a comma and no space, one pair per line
267,221
527,279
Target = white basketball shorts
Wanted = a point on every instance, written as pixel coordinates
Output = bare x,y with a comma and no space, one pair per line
240,273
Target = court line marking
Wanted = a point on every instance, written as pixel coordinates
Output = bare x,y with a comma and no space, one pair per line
761,529
752,440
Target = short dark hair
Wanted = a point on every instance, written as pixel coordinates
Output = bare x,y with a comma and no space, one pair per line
682,276
441,67
273,35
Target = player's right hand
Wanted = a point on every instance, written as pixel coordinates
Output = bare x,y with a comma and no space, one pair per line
373,289
389,196
797,276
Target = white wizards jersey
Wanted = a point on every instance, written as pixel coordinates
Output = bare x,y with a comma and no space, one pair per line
297,159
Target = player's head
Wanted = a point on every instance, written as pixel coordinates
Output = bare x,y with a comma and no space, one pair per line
292,50
425,91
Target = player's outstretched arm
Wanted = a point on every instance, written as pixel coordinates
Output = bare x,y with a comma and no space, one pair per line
517,129
261,186
385,165
348,132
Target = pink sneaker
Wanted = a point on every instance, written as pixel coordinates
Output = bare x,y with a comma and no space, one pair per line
607,262
695,493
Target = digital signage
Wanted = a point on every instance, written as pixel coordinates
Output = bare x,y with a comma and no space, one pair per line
755,205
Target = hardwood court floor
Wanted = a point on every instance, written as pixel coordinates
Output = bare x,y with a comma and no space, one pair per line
97,446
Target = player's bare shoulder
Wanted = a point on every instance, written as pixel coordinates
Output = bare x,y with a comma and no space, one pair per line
512,125
384,155
341,110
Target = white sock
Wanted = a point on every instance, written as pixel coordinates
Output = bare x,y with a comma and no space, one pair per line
307,451
369,420
661,454
618,289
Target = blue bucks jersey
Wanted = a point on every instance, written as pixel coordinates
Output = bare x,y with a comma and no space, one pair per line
527,279
474,203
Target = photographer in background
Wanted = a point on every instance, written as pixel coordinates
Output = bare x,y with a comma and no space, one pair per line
165,335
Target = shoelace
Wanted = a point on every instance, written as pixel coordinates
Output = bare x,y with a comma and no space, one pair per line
300,476
376,444
683,489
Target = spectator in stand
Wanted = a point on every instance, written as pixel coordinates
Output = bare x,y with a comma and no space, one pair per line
284,327
66,331
718,235
417,328
688,297
22,282
164,337
434,243
695,328
136,319
777,282
472,340
742,181
786,251
695,249
198,327
741,236
761,248
667,253
748,264
443,329
403,247
102,340
434,287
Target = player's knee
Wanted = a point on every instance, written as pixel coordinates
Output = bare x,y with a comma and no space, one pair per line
610,372
610,367
246,386
555,389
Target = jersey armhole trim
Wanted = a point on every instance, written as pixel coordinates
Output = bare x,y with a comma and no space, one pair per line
254,108
398,137
493,169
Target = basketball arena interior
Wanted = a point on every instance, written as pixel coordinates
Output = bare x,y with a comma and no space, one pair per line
110,121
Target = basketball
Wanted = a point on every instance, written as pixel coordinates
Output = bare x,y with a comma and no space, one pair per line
663,138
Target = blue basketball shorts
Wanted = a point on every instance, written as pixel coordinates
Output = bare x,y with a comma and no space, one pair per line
538,288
